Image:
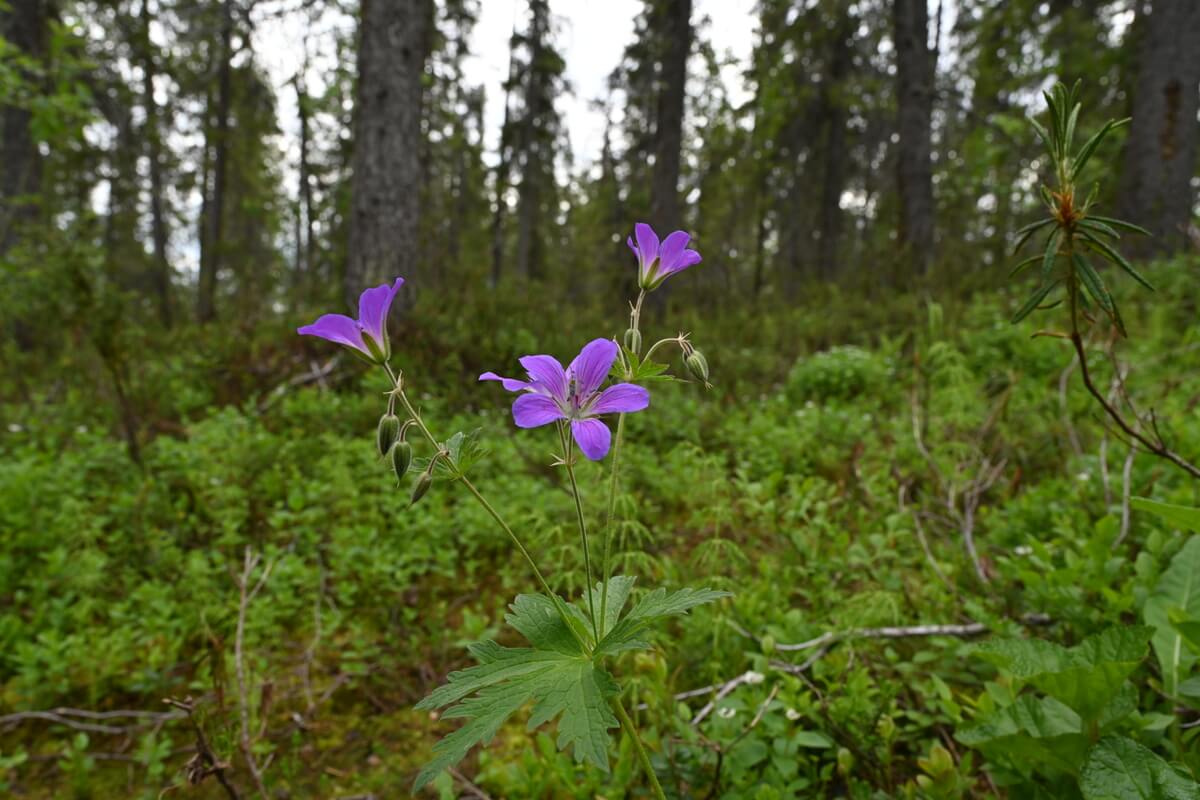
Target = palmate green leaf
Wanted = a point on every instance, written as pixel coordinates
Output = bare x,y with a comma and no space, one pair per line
619,587
466,450
555,675
626,634
1118,768
1177,593
1086,677
640,371
1112,255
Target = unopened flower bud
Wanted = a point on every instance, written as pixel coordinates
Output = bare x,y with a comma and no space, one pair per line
421,487
633,340
387,433
697,364
401,456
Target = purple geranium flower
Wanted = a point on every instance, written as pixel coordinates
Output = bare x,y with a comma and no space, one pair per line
368,333
573,394
658,262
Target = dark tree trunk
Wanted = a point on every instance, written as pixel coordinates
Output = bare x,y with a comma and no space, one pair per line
536,164
392,41
161,269
833,182
1160,153
675,25
915,63
213,215
503,168
23,24
305,225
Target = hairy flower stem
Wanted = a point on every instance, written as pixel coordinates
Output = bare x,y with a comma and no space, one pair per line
492,512
643,757
635,322
568,458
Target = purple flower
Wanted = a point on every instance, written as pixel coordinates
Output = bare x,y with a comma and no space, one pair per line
553,393
658,262
368,333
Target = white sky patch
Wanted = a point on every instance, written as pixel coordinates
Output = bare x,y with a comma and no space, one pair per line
591,36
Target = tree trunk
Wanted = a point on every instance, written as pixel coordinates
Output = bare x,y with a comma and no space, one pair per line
537,167
915,65
161,270
305,226
23,25
214,208
503,167
386,179
676,32
833,181
1160,153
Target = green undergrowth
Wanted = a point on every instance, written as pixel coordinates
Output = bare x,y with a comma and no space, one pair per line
798,482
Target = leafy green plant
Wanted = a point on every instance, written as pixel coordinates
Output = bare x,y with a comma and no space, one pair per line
1065,733
1074,235
563,671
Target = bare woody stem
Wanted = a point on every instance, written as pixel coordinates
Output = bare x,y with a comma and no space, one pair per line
1155,445
492,512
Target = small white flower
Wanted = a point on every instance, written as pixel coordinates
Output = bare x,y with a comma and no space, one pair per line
754,678
14,428
1023,550
792,714
1084,476
81,429
727,713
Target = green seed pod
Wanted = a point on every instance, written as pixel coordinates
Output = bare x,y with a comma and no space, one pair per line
633,340
387,433
401,457
421,487
697,364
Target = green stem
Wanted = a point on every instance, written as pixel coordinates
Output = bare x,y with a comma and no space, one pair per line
568,453
643,757
658,344
608,520
492,512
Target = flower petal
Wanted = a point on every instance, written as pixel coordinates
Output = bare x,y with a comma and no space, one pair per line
337,328
621,398
672,248
548,373
592,365
511,384
373,307
592,436
686,259
535,410
647,242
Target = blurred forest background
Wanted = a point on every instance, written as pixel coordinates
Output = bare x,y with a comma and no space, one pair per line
853,183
